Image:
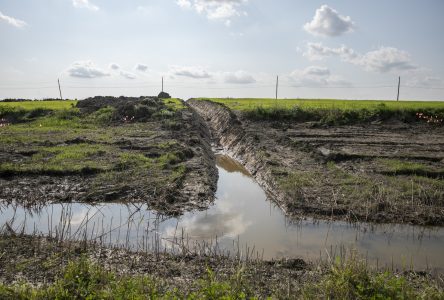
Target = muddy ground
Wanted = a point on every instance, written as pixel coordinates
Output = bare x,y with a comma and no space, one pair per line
40,260
387,172
143,150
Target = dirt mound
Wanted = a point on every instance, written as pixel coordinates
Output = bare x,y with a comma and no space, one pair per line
123,108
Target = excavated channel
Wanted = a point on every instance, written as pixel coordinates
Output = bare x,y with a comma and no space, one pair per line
242,220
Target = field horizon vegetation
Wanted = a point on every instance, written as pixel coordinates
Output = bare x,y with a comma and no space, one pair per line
335,111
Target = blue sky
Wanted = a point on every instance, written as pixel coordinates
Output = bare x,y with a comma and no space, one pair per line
222,48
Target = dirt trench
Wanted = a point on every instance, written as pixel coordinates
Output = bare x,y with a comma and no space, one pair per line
228,133
382,173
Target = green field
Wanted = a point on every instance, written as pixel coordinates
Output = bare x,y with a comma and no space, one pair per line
31,105
59,139
243,104
336,112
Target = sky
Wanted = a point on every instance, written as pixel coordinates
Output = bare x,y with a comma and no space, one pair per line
222,48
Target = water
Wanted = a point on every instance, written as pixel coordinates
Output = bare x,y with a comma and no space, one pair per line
242,220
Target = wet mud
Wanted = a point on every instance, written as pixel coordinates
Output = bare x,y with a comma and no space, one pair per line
383,173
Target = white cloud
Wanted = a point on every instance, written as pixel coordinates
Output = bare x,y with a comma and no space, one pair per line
114,66
12,21
184,3
141,68
223,10
86,69
316,51
195,72
382,60
315,76
127,75
328,22
239,77
386,59
85,4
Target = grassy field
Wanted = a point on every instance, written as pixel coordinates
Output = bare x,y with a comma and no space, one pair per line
56,138
336,112
243,104
32,105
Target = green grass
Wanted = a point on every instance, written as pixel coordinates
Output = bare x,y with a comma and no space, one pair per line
31,105
174,104
351,279
83,279
335,112
77,158
345,279
245,104
401,167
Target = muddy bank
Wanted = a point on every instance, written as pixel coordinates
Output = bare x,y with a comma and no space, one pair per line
389,172
27,262
40,260
138,150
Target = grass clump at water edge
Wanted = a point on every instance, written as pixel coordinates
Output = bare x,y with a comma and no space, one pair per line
344,279
83,279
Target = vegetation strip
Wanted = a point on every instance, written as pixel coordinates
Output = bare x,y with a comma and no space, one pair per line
40,268
336,112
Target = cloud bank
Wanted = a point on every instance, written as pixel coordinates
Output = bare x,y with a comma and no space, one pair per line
382,60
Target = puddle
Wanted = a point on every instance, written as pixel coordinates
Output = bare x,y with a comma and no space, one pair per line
241,220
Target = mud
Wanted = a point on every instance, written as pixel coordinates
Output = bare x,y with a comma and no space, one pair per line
187,182
40,260
384,173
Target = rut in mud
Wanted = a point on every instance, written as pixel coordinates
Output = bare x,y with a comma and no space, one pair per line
385,173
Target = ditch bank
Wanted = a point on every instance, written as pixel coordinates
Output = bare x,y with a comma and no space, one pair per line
381,173
227,132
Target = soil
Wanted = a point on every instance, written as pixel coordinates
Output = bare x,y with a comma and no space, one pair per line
40,260
338,172
182,134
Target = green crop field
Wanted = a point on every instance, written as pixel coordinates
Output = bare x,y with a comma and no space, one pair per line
243,104
336,112
31,105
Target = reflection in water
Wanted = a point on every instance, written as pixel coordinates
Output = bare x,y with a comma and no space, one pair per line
240,213
230,165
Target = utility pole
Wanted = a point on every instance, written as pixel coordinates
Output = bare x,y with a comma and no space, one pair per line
277,86
162,84
60,89
399,86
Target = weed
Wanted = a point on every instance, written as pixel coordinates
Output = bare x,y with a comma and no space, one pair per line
351,279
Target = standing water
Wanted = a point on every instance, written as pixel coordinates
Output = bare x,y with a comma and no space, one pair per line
242,219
